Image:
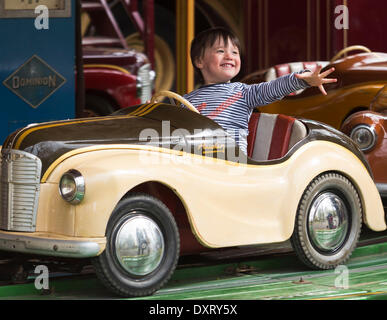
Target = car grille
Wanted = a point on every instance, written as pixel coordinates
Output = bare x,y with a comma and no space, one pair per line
19,189
145,82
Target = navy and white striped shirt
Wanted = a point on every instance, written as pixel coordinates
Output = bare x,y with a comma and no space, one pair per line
231,104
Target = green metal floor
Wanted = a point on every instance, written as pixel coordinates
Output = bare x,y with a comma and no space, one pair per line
285,278
268,277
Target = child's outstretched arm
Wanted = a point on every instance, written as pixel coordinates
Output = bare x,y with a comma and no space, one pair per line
317,79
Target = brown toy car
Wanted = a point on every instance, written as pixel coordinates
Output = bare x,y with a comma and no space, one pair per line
368,129
356,104
360,77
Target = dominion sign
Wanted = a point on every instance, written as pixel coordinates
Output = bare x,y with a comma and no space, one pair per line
34,81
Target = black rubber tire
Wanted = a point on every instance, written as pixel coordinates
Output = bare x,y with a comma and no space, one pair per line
300,240
109,270
97,106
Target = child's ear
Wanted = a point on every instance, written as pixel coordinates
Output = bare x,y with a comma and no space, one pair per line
199,63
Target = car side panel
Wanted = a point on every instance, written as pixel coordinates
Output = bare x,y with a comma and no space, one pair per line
121,85
227,204
329,109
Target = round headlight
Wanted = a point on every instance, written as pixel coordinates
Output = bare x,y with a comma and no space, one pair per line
364,136
72,186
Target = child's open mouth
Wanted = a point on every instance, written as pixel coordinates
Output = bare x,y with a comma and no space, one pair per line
227,65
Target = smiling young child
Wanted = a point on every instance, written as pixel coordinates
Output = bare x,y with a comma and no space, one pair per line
215,55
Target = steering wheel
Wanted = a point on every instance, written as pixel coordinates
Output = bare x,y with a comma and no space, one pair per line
173,96
347,49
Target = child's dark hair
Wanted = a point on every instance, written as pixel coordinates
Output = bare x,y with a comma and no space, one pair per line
206,39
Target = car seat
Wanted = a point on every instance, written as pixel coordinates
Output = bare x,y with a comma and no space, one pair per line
271,136
286,68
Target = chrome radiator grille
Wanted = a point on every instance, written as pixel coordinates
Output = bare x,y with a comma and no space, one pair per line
19,188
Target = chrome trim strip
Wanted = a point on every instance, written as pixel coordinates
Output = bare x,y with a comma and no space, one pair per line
20,188
145,82
49,246
373,134
79,182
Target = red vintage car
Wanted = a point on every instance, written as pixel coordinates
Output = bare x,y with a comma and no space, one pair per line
116,74
115,78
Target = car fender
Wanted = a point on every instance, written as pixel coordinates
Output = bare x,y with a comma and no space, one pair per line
121,85
335,158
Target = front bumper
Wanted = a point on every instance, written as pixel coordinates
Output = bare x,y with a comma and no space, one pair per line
51,245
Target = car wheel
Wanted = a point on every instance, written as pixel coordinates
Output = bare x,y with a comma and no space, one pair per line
142,247
328,222
96,106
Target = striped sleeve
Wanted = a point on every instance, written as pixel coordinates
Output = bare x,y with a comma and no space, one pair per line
267,92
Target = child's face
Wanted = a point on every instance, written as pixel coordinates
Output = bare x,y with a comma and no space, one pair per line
220,63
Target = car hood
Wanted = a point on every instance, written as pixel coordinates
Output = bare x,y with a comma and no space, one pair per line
143,124
129,59
353,70
361,67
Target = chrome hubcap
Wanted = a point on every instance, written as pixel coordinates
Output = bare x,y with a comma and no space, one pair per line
139,245
328,222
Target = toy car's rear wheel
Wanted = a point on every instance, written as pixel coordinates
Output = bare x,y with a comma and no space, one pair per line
142,247
96,106
328,222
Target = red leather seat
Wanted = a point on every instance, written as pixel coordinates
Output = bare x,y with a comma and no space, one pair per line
271,136
280,70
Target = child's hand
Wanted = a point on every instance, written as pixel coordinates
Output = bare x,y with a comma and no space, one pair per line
315,79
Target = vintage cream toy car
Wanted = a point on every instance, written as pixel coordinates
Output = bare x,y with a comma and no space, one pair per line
135,190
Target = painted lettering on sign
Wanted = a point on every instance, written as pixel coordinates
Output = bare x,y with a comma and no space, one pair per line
18,82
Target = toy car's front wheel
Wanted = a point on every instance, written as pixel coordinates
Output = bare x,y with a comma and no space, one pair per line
142,247
328,222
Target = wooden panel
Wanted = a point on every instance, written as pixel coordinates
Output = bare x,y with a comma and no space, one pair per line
184,35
